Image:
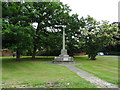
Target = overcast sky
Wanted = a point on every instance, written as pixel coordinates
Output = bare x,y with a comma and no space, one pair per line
99,9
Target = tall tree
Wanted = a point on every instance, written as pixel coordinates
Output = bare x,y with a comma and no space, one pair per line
17,34
97,35
47,15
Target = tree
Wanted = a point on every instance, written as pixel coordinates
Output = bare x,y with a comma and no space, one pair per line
54,40
96,35
18,39
17,34
52,44
72,34
47,15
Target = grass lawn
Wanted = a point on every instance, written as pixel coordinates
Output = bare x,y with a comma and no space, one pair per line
39,74
104,67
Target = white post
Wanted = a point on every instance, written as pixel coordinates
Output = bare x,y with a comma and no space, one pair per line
63,38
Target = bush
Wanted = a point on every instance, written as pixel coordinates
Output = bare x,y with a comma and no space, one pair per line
113,53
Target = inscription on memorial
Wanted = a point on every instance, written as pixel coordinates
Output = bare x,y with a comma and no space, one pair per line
65,59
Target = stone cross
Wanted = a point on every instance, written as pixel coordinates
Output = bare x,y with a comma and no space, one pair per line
63,57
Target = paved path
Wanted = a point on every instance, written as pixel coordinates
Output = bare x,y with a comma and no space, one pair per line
89,77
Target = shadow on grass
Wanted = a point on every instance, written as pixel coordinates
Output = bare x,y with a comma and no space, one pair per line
22,59
79,58
39,58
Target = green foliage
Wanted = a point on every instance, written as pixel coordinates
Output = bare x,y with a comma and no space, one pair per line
85,34
16,30
113,53
0,22
96,35
72,34
48,15
17,38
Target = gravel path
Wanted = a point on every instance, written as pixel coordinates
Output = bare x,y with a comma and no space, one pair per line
89,77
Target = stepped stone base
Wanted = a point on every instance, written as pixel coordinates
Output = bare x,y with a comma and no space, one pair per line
63,57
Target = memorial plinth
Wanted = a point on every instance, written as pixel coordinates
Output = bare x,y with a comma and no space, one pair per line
63,57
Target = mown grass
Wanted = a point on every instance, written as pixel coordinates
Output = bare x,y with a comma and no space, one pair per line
104,67
39,73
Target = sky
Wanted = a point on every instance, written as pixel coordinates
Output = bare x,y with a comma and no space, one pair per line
98,9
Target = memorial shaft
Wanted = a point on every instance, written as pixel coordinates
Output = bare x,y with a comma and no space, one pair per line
63,39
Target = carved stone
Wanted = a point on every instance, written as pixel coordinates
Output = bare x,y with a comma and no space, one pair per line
63,57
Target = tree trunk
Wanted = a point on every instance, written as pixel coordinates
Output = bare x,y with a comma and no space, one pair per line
92,56
34,53
17,56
